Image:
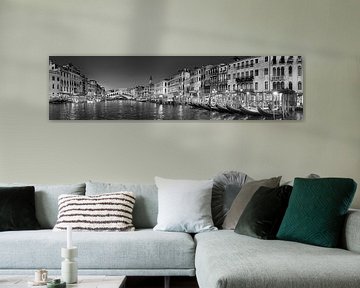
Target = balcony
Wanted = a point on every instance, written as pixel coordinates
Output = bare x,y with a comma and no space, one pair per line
245,79
277,78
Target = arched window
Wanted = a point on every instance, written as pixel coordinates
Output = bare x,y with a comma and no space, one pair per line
274,85
282,85
274,71
299,85
278,71
290,70
290,86
299,70
282,71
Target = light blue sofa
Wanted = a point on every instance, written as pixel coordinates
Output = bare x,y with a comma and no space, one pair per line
219,259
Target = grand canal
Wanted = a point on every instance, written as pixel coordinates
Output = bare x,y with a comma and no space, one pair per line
132,110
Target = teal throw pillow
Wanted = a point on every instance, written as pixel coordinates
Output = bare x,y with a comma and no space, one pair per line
316,211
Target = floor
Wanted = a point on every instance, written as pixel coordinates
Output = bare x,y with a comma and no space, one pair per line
158,282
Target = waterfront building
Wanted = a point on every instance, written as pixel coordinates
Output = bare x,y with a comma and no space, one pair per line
161,88
222,85
205,79
266,73
54,80
174,85
67,81
214,78
195,80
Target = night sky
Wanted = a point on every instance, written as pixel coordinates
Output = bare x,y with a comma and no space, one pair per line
128,71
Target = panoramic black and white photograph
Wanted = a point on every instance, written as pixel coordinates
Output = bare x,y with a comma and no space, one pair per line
176,88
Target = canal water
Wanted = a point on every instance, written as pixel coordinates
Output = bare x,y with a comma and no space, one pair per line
132,110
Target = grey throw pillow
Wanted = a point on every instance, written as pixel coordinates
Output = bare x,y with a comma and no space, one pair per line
242,199
184,205
226,187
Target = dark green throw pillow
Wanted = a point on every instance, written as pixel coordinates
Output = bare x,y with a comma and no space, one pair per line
316,211
17,208
263,214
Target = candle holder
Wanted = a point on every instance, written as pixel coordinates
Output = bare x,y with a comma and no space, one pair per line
68,265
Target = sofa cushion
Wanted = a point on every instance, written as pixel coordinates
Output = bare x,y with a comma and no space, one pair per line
146,205
105,212
243,198
46,200
184,205
225,259
17,208
317,209
263,215
226,187
137,250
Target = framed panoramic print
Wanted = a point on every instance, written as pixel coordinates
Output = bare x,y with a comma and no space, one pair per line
176,88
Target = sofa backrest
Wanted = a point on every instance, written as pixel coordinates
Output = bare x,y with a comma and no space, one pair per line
146,203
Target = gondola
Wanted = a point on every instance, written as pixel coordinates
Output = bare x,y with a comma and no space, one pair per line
270,113
234,110
223,109
249,111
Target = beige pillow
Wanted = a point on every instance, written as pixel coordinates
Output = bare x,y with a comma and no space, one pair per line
243,198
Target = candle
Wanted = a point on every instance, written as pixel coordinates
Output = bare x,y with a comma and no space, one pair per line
69,237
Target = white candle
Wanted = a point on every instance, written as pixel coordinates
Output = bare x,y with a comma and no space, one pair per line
69,237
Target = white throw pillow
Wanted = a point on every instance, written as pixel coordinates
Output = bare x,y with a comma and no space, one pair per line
105,212
184,205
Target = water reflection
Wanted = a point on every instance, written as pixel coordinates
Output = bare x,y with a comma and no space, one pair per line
131,110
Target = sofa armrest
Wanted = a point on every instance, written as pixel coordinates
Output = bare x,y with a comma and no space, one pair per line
351,234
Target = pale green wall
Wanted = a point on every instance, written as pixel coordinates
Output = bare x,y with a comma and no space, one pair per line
34,149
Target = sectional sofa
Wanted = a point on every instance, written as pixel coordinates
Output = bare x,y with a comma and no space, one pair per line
218,259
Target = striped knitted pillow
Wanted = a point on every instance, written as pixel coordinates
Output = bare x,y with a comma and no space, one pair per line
105,212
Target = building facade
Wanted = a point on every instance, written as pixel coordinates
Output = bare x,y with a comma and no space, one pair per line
66,81
266,73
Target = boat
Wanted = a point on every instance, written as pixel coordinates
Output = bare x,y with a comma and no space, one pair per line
249,110
222,109
268,113
234,110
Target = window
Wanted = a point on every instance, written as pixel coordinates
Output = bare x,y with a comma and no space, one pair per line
266,71
233,86
274,85
256,85
242,74
234,76
274,60
266,58
247,74
290,85
274,71
299,70
266,85
290,70
251,73
256,72
299,85
282,85
58,79
238,74
252,62
282,71
53,78
53,86
278,71
256,61
247,64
